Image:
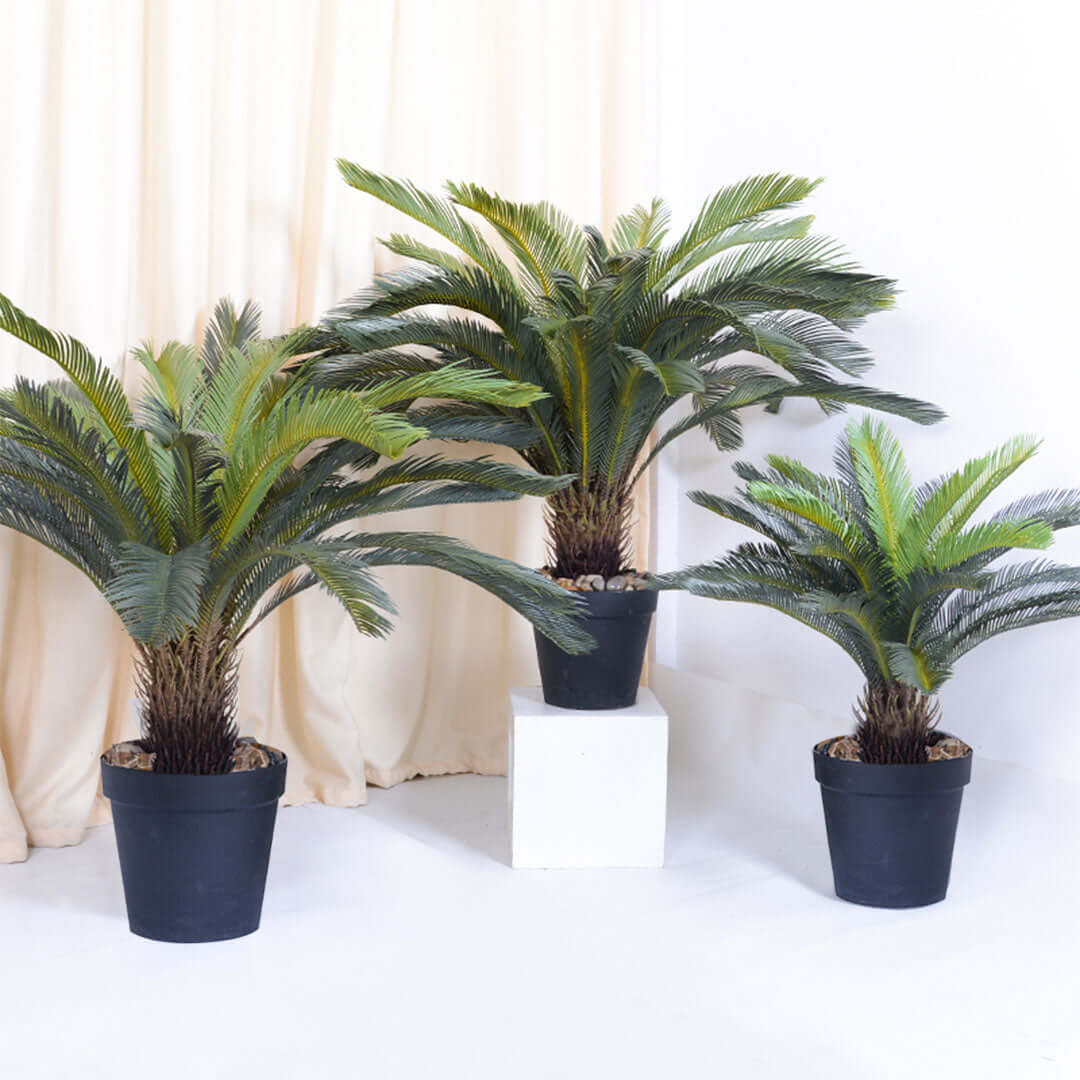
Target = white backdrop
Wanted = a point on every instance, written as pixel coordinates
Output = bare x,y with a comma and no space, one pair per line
158,154
946,134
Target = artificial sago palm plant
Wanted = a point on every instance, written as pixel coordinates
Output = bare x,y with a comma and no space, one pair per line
897,575
187,508
616,329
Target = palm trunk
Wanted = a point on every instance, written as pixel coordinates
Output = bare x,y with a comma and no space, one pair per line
895,724
187,691
589,531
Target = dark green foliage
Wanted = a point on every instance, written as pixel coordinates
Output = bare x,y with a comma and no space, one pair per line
617,330
188,509
898,576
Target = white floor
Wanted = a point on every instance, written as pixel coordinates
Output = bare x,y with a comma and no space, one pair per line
397,943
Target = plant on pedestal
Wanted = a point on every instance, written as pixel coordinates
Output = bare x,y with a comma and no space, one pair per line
186,507
899,577
618,330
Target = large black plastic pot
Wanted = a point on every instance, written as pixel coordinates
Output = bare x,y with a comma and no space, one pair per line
608,677
891,827
194,850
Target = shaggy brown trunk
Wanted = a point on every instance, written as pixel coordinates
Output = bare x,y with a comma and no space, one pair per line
589,531
187,691
895,724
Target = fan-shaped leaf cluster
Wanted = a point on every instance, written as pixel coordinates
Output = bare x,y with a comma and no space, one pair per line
616,330
899,577
224,487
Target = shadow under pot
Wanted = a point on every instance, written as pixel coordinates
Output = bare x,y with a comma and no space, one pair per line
608,677
891,828
194,850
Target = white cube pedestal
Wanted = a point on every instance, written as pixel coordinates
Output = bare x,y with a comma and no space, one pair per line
587,787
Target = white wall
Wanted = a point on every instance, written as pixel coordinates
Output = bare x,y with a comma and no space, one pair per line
947,135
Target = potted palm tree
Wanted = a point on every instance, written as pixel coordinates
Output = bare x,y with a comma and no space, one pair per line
187,509
618,330
899,577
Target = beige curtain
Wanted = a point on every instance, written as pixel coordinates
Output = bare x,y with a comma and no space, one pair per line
159,155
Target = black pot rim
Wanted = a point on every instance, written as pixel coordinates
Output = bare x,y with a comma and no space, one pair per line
181,791
866,778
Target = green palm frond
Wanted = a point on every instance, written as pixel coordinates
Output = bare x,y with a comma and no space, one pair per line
677,377
891,565
58,524
346,575
269,446
26,469
1059,509
437,214
947,504
729,580
542,238
228,329
103,392
738,235
480,471
738,204
810,274
759,517
913,665
642,227
799,340
551,609
450,381
798,502
955,548
236,397
411,248
1011,597
1004,616
468,423
177,374
885,484
157,593
371,343
43,420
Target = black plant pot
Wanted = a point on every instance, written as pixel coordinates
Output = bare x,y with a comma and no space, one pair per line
194,849
608,677
891,827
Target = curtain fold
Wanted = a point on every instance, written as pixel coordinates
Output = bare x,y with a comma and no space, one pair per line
160,155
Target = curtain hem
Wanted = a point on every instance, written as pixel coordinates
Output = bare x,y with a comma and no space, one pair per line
384,778
13,849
